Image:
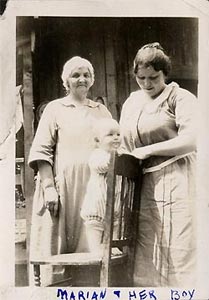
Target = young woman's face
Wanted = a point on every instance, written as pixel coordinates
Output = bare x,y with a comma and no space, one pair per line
110,138
79,81
150,81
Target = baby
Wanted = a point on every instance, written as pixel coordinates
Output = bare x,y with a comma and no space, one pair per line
107,138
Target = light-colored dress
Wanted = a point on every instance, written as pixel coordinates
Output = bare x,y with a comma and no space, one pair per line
65,139
166,243
94,205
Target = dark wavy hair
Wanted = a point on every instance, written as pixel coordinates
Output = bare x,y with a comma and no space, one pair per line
153,55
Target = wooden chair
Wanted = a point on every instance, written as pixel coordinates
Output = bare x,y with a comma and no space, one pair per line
127,167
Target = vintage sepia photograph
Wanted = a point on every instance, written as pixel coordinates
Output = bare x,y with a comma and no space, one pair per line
107,153
65,65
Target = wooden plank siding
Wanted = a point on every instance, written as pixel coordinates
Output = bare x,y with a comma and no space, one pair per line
179,37
121,65
110,68
111,44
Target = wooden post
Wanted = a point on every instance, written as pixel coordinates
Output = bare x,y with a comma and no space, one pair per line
110,71
121,65
105,274
28,137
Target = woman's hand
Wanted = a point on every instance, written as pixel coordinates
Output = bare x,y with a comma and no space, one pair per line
51,198
121,151
142,153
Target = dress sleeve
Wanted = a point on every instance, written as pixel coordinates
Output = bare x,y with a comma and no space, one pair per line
105,113
45,138
185,109
127,125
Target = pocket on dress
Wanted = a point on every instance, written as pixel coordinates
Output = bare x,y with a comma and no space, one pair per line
180,184
157,185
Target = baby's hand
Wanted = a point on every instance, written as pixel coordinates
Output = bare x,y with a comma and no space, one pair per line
100,163
103,168
103,165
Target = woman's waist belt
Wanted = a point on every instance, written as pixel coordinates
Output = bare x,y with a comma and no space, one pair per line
164,164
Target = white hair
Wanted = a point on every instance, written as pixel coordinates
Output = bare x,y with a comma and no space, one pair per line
71,64
104,124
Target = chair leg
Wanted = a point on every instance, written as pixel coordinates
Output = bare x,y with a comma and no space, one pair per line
37,277
105,274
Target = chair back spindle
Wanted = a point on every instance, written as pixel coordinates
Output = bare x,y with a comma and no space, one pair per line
123,175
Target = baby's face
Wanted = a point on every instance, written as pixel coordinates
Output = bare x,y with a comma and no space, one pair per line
110,138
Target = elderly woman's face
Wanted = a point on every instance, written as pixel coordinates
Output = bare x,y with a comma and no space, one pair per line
79,81
150,81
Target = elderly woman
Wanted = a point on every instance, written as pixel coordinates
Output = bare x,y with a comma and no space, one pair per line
157,126
60,151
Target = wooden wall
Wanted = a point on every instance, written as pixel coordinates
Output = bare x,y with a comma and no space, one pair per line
111,44
178,36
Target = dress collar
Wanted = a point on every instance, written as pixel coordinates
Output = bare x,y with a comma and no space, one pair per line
164,94
68,102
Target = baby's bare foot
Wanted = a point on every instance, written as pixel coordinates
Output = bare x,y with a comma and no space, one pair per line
116,251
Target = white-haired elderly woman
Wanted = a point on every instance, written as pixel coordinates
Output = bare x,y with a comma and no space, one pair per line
62,145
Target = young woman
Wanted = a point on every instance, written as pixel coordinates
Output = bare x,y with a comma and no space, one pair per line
158,127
